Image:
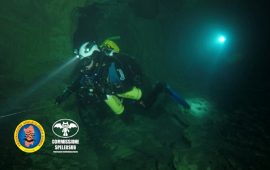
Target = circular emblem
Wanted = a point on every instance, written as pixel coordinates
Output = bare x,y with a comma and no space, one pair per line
65,128
29,136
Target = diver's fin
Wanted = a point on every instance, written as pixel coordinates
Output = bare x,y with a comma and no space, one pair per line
177,97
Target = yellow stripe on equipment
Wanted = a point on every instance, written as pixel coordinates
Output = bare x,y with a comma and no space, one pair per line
111,45
135,94
115,104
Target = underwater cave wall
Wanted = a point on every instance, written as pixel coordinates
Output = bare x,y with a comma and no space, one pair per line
36,36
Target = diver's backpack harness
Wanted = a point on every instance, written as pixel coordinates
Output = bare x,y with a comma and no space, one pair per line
123,73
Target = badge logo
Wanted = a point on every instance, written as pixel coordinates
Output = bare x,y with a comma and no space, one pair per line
65,128
29,136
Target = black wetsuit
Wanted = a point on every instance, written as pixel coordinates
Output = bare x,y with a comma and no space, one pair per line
94,84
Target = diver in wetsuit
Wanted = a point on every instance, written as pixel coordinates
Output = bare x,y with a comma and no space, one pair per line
107,75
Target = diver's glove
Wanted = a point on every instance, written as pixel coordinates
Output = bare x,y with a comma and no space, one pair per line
63,97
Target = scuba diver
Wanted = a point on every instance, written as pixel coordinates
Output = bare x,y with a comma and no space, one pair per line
105,74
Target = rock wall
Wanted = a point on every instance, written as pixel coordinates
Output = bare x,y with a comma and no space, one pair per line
36,36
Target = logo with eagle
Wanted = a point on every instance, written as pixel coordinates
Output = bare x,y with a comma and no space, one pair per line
65,128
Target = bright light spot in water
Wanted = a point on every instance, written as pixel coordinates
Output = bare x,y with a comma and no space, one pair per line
199,106
221,39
